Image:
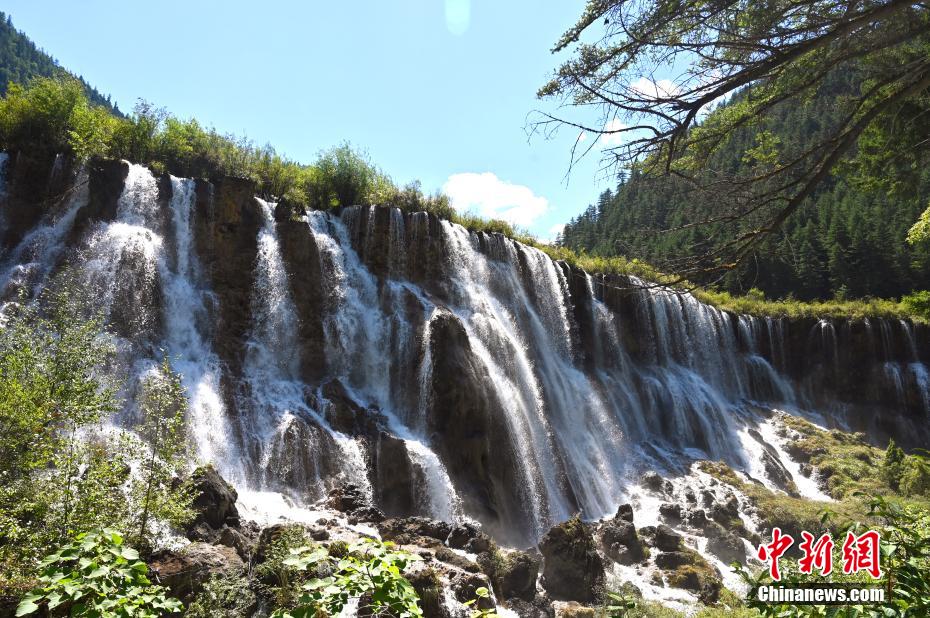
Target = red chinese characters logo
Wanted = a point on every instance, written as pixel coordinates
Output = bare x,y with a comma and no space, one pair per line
775,550
860,553
817,554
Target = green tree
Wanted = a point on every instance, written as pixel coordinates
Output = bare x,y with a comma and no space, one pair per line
157,490
784,52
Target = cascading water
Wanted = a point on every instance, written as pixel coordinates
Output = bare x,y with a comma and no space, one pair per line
358,338
28,265
584,382
186,320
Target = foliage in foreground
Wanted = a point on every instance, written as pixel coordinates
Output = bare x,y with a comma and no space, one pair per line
905,558
97,576
370,573
60,473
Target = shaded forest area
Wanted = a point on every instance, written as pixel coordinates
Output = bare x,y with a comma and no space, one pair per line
847,241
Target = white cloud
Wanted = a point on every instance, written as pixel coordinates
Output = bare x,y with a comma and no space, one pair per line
613,139
554,231
655,89
458,16
489,196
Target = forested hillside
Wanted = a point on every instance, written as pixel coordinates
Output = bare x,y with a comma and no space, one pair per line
848,240
21,60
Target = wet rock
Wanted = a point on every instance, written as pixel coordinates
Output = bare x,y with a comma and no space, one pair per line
429,588
465,585
393,475
572,609
214,499
226,222
725,512
697,519
538,608
472,436
652,480
517,579
368,514
185,572
410,528
572,568
625,512
620,542
444,554
666,539
724,544
689,570
347,498
469,538
669,560
671,512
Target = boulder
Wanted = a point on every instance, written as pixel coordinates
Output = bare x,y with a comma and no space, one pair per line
429,588
625,513
724,544
465,585
214,499
572,568
671,512
666,539
185,572
230,537
347,498
408,529
652,480
620,541
669,560
444,554
470,538
538,608
517,577
573,609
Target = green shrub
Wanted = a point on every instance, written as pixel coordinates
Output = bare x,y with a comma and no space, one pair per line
918,303
58,476
279,580
223,597
97,576
373,571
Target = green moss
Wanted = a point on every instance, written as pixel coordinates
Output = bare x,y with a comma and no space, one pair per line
790,514
694,575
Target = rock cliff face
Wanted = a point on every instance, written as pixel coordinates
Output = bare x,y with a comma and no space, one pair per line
440,372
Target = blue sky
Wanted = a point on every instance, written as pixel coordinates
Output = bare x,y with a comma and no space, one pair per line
434,90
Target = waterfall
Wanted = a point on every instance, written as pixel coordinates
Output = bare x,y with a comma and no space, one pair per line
358,337
282,424
27,266
585,381
186,322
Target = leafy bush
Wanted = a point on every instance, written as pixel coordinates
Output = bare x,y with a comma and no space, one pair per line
226,597
918,303
59,476
97,575
279,579
371,573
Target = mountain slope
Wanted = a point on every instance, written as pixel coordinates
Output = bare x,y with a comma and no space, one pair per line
846,241
21,60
